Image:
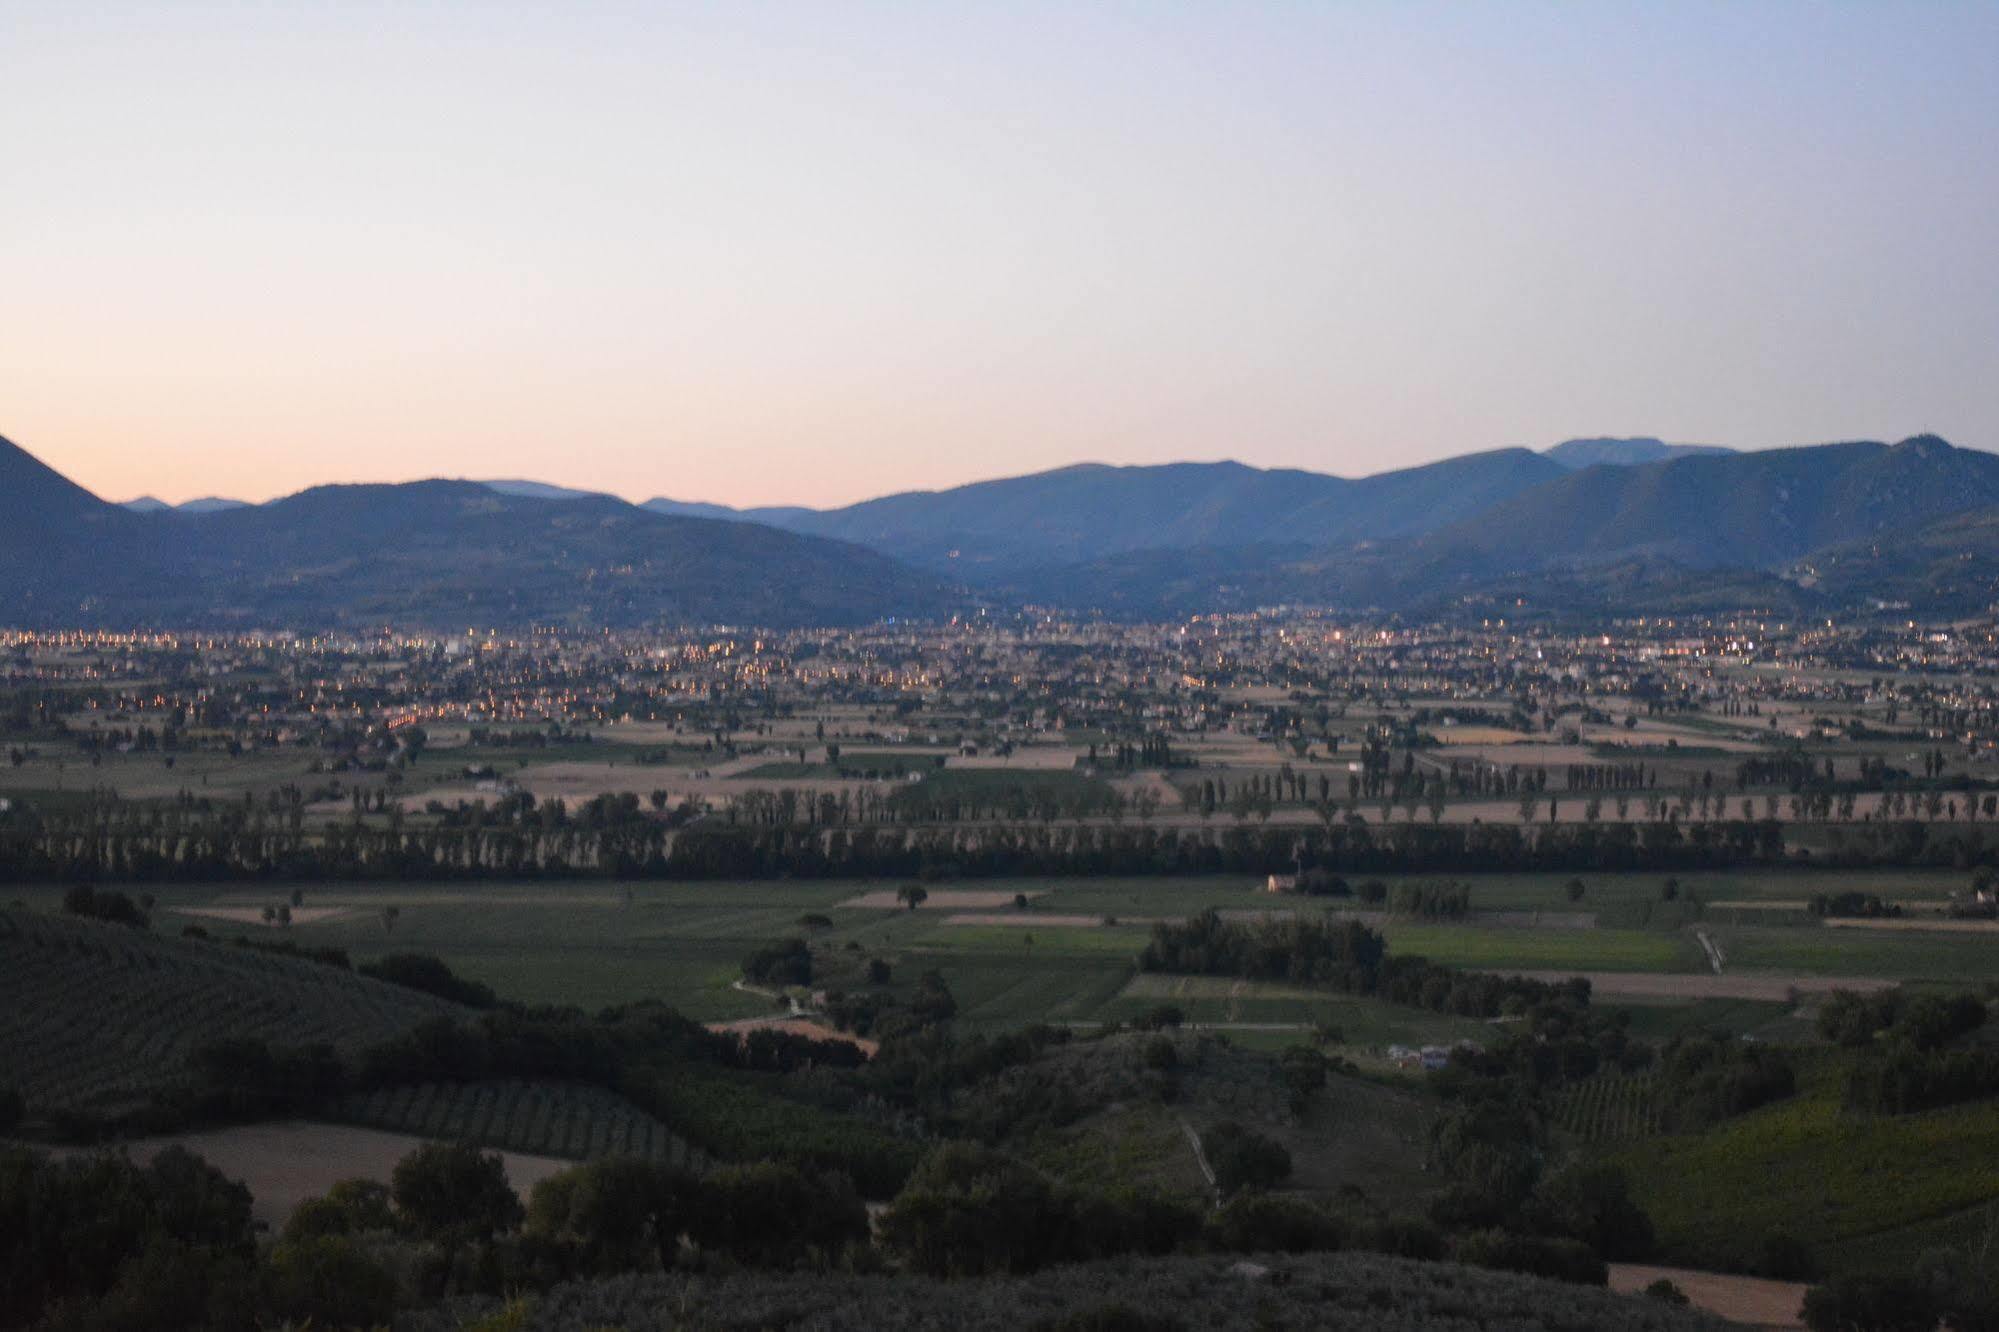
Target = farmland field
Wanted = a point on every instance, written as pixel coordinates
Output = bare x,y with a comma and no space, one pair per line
592,943
1820,951
541,1118
1584,950
1609,1107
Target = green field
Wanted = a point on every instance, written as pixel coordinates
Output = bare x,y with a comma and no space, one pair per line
591,943
1765,1020
1815,950
1495,949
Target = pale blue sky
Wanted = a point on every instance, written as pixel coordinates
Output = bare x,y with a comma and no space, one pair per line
809,253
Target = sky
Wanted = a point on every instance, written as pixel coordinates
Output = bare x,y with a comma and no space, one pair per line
811,253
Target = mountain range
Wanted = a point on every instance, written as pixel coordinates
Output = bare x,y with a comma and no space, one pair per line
1589,526
451,554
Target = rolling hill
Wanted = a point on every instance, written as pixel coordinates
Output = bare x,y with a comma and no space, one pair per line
97,1017
436,553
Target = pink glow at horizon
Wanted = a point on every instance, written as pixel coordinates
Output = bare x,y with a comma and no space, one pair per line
810,254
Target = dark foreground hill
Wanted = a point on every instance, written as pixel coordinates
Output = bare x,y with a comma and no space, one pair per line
448,554
1344,1292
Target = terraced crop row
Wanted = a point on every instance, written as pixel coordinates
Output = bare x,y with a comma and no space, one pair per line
1610,1107
94,1016
543,1118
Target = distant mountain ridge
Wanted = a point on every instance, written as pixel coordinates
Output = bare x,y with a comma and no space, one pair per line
1700,531
1633,452
1598,529
991,530
448,554
206,504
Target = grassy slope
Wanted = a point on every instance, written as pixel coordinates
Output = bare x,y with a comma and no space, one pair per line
1355,1135
98,1016
1844,1184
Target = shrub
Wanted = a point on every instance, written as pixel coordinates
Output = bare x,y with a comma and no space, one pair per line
351,1207
1273,1223
1243,1158
1786,1258
117,908
1665,1292
1560,1259
621,1214
1871,1304
1592,1204
773,1215
788,962
421,971
970,1211
454,1193
1407,1237
329,1281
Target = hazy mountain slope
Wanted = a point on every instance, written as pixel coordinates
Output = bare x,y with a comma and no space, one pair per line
446,551
36,499
1949,565
1705,532
440,553
207,504
539,490
773,516
994,529
1580,453
60,545
1745,509
1419,499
